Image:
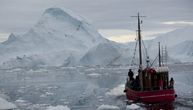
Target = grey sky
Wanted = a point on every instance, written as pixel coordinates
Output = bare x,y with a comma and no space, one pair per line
17,16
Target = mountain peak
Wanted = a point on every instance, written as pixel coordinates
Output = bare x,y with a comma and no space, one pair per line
54,11
11,38
61,14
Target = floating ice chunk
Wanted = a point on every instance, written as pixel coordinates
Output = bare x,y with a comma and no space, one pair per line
49,93
108,107
117,91
43,95
94,75
5,105
132,107
20,101
59,107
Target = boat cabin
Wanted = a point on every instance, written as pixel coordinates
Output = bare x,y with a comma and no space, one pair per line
155,78
152,79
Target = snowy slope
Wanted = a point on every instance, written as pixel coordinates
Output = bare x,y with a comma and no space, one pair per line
178,42
174,37
5,105
183,51
106,54
101,54
57,33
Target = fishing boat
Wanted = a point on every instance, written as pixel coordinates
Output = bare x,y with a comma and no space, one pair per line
153,82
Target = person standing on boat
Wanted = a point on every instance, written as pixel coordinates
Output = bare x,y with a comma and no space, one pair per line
130,79
136,83
130,83
130,73
171,83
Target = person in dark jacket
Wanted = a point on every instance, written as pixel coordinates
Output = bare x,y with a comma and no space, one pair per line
136,85
171,84
130,73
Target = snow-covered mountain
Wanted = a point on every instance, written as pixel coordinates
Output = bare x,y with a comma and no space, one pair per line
58,36
174,37
183,51
178,43
57,28
185,47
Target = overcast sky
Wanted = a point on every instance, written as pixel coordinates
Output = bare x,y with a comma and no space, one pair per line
111,17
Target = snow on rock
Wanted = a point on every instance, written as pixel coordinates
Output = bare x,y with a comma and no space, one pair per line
132,107
117,91
108,107
5,105
59,107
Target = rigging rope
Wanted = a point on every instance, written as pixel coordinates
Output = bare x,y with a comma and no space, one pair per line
132,61
154,61
146,53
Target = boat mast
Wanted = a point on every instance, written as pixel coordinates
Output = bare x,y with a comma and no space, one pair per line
139,40
140,51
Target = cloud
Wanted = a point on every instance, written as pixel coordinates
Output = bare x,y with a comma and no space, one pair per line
123,35
3,36
178,23
122,38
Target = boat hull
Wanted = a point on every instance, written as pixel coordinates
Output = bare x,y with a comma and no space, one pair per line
156,96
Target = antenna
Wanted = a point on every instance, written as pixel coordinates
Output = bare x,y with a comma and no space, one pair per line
164,55
159,54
